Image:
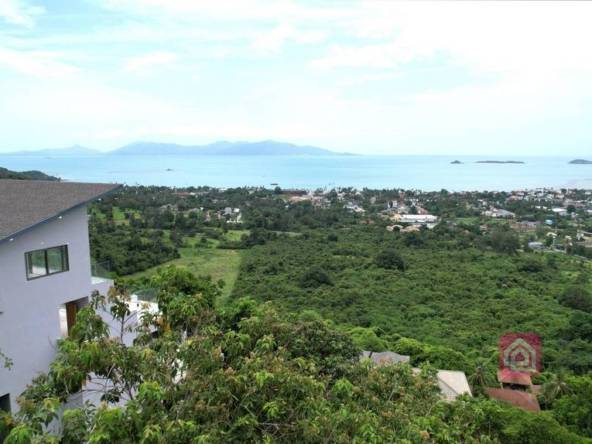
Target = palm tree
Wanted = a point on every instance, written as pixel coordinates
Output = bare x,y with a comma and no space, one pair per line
481,376
554,388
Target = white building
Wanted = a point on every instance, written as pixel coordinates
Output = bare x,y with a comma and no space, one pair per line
560,211
420,219
45,273
499,214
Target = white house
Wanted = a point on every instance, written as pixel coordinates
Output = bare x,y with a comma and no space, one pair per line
560,211
45,273
499,213
419,219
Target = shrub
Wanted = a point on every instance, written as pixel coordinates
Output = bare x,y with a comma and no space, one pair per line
531,265
315,277
577,298
504,242
390,260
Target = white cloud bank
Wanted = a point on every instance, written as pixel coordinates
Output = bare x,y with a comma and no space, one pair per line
147,62
19,12
339,74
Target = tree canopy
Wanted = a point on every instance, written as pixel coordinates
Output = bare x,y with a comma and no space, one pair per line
246,373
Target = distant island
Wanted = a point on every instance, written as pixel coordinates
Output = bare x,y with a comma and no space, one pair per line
499,161
263,148
25,175
581,162
74,151
456,162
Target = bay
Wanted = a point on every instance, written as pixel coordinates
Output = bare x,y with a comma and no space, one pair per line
312,172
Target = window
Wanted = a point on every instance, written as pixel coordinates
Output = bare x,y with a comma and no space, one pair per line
4,406
5,403
45,262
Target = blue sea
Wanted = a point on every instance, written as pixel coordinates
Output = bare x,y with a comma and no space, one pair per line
312,172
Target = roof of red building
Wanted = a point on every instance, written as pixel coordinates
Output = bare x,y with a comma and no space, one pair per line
508,376
517,398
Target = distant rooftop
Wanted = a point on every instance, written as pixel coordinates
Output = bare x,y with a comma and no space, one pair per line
509,376
518,398
384,358
453,384
26,203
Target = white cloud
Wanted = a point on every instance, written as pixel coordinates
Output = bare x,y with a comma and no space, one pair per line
19,12
492,36
147,62
368,56
535,56
229,10
40,64
496,68
271,42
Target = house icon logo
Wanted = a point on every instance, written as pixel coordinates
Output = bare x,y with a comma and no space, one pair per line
520,356
520,352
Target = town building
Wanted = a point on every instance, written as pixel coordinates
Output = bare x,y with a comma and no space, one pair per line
419,219
498,213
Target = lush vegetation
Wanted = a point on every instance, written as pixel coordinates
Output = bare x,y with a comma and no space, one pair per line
299,286
204,257
446,287
25,175
251,374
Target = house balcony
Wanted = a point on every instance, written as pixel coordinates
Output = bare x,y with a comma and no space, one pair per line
101,277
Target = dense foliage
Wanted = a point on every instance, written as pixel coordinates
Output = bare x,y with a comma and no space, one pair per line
442,296
124,250
446,287
249,374
25,175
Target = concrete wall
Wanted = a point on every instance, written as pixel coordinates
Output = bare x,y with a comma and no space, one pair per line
30,321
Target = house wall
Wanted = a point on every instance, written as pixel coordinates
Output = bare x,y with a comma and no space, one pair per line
30,323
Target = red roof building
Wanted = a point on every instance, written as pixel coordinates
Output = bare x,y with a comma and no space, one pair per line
517,398
509,376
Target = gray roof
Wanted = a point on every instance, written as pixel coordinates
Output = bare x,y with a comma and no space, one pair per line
453,384
26,203
384,358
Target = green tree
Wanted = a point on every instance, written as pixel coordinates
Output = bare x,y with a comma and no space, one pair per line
315,277
554,388
577,297
504,241
391,260
248,374
573,406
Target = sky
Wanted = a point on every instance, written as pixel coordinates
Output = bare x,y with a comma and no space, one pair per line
370,77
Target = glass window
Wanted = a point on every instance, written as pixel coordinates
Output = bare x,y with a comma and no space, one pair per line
57,259
44,262
36,264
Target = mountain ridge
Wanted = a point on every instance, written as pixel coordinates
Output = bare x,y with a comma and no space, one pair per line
74,150
219,148
224,148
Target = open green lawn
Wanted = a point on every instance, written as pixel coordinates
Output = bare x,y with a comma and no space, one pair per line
468,220
207,260
119,215
235,235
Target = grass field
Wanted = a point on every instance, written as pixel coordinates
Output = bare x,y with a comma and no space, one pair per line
119,215
207,260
